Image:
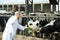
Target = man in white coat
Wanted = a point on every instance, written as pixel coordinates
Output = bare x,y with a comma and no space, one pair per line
11,27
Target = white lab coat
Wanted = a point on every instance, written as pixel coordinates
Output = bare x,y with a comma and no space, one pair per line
11,27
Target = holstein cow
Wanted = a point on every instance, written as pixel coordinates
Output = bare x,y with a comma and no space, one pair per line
53,26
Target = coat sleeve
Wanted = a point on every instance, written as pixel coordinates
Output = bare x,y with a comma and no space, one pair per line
20,26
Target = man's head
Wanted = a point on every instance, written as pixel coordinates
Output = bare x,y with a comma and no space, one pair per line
18,14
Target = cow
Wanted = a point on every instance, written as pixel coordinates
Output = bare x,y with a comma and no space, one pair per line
53,26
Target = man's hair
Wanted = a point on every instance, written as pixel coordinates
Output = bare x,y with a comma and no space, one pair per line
17,12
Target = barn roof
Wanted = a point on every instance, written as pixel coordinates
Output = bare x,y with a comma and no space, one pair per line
22,1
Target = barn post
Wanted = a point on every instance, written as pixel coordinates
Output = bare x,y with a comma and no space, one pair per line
27,7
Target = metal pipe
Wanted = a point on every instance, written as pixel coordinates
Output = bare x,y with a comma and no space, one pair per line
33,6
58,5
27,7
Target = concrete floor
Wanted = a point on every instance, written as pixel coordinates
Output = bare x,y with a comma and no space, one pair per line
27,38
21,37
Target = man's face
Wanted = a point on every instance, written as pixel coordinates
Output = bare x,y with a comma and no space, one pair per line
18,15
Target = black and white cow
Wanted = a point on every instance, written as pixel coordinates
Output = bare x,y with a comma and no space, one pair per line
3,21
51,27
